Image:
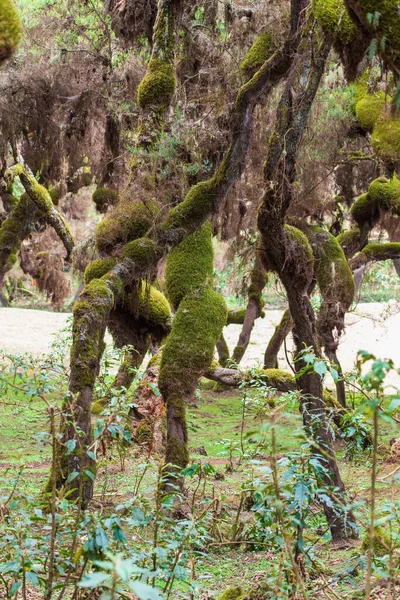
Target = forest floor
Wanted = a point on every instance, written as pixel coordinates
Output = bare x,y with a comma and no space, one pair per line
223,435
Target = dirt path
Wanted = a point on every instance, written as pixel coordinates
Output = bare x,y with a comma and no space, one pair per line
374,327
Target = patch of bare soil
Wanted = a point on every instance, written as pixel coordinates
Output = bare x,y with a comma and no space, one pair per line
374,327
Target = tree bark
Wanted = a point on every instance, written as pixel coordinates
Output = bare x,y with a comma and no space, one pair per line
281,332
258,280
287,252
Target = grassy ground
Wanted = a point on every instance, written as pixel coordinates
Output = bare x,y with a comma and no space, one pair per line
226,437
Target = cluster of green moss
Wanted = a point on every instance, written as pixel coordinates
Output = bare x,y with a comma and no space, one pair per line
232,593
382,251
382,543
157,87
369,108
128,221
386,192
86,350
103,197
97,268
150,303
199,201
143,251
236,317
189,348
365,210
259,52
300,239
350,241
10,29
383,195
190,264
334,276
333,17
386,138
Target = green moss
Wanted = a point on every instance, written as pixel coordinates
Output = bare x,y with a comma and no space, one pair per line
104,197
87,348
333,17
386,138
10,29
150,303
383,251
157,87
259,52
369,109
382,542
189,349
386,192
277,376
350,241
143,251
198,204
97,268
365,210
188,352
334,276
301,242
232,593
128,221
190,264
236,317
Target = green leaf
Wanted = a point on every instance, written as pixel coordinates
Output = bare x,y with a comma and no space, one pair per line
144,591
72,476
320,368
71,444
94,579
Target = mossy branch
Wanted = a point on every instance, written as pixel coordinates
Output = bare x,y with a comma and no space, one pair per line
376,252
42,199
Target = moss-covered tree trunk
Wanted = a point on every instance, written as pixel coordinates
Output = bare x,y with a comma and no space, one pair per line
286,251
139,257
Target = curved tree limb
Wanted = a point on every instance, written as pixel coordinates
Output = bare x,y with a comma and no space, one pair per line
43,202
